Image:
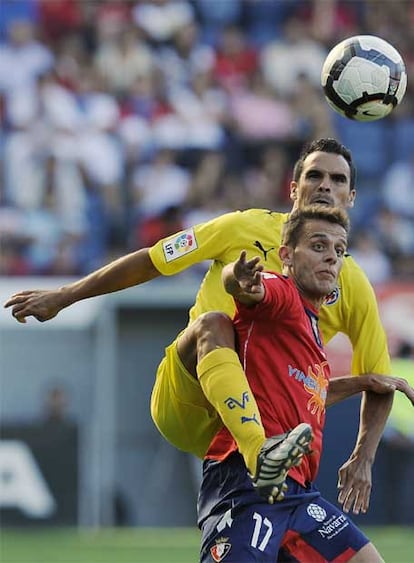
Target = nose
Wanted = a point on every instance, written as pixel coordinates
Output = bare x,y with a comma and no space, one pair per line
325,185
331,256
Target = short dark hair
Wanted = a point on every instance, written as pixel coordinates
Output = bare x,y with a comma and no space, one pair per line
293,227
325,145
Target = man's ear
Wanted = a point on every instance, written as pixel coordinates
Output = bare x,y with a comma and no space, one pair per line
351,198
285,254
293,190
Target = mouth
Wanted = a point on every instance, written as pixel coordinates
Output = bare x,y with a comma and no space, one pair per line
326,274
323,201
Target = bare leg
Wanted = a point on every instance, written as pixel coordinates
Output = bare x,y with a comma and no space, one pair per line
368,554
208,332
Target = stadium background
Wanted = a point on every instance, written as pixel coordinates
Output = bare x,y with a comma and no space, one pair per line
123,122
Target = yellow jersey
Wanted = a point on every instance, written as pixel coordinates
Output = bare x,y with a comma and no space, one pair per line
402,414
351,309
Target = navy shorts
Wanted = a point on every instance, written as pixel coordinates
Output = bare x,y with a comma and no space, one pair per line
238,526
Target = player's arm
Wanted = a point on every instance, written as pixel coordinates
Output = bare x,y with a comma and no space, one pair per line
127,271
370,355
341,388
209,241
242,279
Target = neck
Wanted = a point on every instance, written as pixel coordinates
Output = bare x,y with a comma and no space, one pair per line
315,300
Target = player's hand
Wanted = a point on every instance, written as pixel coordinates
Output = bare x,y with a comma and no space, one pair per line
247,273
355,484
386,383
40,304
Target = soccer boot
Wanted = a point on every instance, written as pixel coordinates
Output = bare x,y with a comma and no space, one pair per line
277,455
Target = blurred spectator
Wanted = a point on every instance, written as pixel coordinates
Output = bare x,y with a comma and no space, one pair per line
43,121
48,238
264,20
99,150
312,114
215,16
202,111
158,185
22,58
59,18
293,54
13,242
394,233
205,198
152,229
236,60
160,19
72,57
123,59
259,114
267,181
185,57
55,406
367,252
146,98
12,259
108,18
330,22
398,188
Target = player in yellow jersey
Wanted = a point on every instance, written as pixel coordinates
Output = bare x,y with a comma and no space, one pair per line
200,383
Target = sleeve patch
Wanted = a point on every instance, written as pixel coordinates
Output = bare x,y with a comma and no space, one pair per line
333,297
183,243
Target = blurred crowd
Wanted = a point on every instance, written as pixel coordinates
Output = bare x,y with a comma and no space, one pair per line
125,121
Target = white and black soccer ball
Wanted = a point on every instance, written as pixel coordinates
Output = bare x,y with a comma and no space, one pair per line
364,78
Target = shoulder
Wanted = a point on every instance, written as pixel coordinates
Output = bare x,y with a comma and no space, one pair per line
246,223
354,282
252,215
280,286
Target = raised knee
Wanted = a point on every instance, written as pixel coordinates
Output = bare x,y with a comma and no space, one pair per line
216,328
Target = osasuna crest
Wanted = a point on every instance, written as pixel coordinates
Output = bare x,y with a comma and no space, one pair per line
220,549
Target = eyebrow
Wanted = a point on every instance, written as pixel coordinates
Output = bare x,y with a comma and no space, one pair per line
324,236
316,169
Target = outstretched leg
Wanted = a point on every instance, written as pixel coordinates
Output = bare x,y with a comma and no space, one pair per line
207,350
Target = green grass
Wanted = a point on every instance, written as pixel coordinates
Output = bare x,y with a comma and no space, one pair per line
173,545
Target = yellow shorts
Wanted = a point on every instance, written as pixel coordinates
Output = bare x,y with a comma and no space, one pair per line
179,408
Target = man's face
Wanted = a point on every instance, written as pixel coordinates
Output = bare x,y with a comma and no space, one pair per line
325,179
317,259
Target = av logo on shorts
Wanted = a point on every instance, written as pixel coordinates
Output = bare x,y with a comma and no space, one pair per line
332,297
179,245
220,549
316,512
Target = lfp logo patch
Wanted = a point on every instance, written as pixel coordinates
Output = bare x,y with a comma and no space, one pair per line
182,244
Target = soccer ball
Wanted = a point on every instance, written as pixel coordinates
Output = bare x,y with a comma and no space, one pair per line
364,78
